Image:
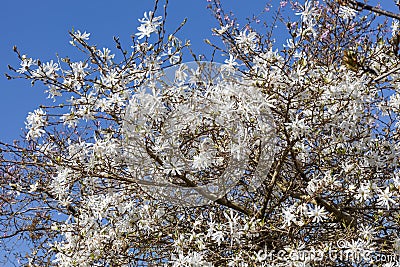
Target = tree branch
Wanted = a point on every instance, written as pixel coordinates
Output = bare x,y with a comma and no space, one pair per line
384,75
342,216
362,6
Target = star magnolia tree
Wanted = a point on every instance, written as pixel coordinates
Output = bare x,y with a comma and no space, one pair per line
280,156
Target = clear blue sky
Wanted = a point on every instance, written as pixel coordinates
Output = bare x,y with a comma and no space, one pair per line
40,30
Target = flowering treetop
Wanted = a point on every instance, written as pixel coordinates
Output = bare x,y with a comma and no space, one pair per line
146,160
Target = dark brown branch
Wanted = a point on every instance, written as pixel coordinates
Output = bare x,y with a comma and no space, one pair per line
362,6
225,202
342,216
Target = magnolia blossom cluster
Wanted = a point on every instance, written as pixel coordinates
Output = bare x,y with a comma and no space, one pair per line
35,122
149,25
189,134
187,139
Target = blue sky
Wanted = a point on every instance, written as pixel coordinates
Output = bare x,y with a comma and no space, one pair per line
40,30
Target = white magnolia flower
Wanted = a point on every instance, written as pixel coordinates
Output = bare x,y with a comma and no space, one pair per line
106,54
289,216
385,197
174,167
192,259
396,180
202,160
395,27
347,13
53,91
78,69
35,122
318,213
367,231
81,36
218,236
394,102
308,12
149,25
33,187
222,30
25,64
47,69
364,192
247,41
230,64
298,127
